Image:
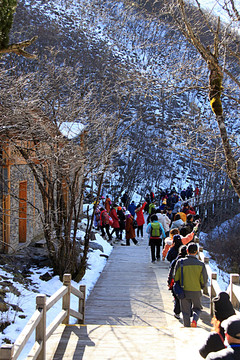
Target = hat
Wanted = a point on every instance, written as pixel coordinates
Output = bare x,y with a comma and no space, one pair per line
177,237
232,326
222,306
127,213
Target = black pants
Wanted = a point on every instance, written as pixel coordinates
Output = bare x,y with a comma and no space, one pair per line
140,230
128,241
116,230
155,245
107,231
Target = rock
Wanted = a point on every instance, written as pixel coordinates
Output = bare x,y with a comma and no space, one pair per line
92,236
16,308
95,246
46,277
3,306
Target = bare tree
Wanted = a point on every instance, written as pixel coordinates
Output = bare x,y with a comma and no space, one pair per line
218,45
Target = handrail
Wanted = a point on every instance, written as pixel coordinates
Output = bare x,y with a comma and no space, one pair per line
214,288
206,198
37,322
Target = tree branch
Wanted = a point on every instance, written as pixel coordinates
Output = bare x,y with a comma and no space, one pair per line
19,48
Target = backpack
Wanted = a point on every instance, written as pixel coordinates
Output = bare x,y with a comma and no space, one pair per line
110,220
156,230
134,224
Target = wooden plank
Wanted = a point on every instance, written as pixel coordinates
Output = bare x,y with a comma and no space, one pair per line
23,211
129,315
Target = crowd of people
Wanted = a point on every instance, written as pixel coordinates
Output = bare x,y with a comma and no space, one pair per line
173,225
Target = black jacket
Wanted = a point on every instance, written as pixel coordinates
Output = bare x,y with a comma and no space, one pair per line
213,343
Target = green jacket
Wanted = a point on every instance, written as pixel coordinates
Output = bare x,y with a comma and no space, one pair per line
194,273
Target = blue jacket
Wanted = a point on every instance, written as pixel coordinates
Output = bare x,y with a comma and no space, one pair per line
148,230
132,207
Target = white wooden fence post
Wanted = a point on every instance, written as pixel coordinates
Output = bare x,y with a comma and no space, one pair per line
66,298
41,327
6,351
81,305
234,279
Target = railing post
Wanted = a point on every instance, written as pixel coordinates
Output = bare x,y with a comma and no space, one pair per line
41,327
212,291
66,298
234,279
81,305
205,290
6,351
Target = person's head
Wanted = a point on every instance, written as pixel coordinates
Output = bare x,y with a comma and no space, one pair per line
232,329
192,249
119,208
138,206
177,217
154,217
101,209
132,202
173,232
182,251
127,213
185,205
183,231
115,205
177,241
197,218
222,309
189,218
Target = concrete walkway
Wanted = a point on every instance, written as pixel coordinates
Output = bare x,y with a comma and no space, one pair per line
129,315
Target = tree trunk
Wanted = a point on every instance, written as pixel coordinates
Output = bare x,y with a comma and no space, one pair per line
231,163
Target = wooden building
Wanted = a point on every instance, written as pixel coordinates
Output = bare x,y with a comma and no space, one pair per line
20,201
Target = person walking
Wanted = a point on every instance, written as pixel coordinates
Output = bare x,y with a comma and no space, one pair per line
194,279
182,252
115,224
108,204
140,218
173,251
130,231
177,223
122,221
168,242
232,332
131,208
156,235
222,310
104,223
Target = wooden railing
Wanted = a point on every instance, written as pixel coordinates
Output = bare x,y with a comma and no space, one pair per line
207,198
214,289
37,322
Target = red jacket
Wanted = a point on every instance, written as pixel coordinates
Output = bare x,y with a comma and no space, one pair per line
114,216
140,217
104,218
